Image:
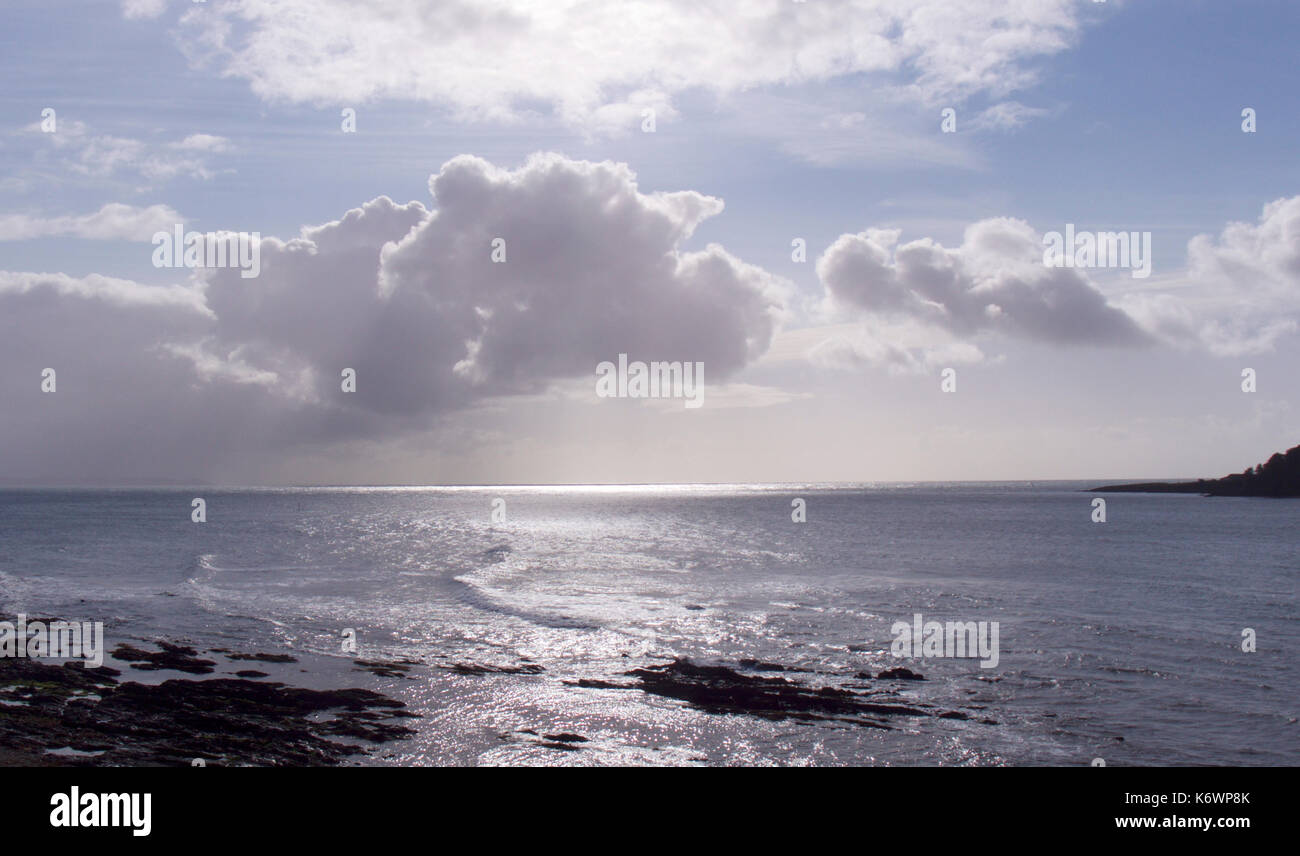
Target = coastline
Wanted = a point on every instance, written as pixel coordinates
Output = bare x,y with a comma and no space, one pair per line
169,704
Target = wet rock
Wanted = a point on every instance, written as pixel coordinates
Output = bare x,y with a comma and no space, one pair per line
763,666
483,669
898,673
719,689
264,658
366,725
383,669
223,720
593,684
564,741
565,737
179,658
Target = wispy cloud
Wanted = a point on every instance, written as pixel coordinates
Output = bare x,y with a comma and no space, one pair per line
113,222
79,151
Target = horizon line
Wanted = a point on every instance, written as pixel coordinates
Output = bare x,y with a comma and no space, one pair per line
484,485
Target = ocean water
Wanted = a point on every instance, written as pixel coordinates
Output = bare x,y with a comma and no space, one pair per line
1119,641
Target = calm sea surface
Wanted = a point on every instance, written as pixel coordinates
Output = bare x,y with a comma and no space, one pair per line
1119,640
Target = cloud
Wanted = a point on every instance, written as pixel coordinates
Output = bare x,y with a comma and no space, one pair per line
1259,259
825,130
1240,292
597,65
211,367
1006,116
203,143
593,268
113,222
995,282
407,296
123,293
882,348
106,156
143,8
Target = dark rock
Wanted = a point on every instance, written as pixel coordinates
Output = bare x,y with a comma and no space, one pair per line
763,666
223,720
593,684
263,658
180,658
718,689
898,673
385,669
481,669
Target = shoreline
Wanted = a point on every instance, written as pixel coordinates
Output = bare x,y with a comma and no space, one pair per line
174,705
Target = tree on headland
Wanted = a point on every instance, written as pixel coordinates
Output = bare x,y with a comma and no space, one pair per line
1278,476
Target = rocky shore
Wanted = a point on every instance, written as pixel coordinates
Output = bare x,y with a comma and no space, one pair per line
721,689
65,714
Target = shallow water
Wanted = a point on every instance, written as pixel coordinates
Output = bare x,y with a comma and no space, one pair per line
1119,640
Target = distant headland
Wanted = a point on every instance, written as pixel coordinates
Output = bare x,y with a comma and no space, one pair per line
1279,476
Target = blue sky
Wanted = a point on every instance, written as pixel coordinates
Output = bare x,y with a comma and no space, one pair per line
1131,121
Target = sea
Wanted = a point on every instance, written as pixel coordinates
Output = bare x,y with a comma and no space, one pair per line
1165,635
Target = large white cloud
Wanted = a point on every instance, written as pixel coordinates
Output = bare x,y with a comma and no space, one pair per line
408,296
600,64
413,300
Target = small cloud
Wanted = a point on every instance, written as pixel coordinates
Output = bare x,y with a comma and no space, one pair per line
1006,116
139,9
113,222
108,155
876,348
203,143
212,367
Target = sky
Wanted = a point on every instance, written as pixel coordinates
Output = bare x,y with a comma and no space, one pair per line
472,205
